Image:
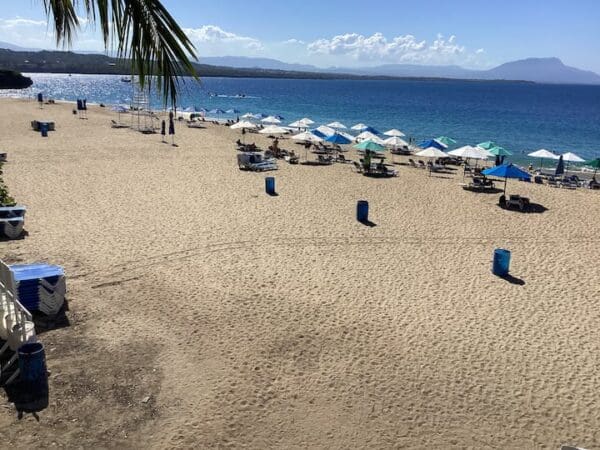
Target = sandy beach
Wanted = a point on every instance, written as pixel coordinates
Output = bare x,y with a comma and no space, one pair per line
204,313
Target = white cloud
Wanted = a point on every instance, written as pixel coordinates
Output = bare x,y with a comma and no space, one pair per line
212,38
294,42
399,49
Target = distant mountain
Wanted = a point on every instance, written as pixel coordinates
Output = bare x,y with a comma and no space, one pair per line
543,70
16,48
538,70
246,62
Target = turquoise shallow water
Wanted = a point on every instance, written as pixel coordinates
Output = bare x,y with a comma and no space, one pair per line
520,117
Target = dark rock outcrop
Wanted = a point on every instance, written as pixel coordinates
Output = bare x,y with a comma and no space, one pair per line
13,80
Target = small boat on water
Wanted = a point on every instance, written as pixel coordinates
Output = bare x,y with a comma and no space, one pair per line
126,80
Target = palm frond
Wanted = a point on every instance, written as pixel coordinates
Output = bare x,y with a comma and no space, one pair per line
140,30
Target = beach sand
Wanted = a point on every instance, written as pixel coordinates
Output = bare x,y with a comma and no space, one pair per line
281,322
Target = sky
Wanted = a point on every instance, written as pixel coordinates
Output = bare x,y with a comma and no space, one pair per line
349,33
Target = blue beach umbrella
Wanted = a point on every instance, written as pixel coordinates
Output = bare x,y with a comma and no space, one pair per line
319,134
371,130
338,139
432,143
507,171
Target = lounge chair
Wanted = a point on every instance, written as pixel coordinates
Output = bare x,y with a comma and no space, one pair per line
412,163
552,182
115,124
12,220
422,165
342,159
515,201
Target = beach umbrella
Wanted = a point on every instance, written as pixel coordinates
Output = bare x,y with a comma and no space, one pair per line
216,111
371,146
243,124
248,116
232,111
433,143
394,133
346,135
277,116
470,152
299,124
327,131
371,130
307,136
359,127
572,157
543,154
488,145
337,138
274,129
445,140
337,125
395,142
432,152
172,128
307,121
367,135
507,171
319,134
594,164
189,109
271,119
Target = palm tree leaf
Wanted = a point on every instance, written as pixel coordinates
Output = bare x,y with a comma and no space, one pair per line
140,30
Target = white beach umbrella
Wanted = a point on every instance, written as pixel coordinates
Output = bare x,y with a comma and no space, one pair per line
367,135
274,129
395,142
543,153
307,121
327,131
271,119
359,127
432,152
299,124
307,136
248,116
470,152
572,157
243,124
394,133
337,125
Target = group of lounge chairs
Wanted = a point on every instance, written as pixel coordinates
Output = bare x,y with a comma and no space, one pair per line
514,202
479,184
569,182
375,169
431,166
12,220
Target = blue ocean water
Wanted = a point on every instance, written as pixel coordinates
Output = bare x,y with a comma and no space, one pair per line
518,116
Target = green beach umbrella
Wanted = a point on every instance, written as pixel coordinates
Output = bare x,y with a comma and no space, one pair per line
370,145
487,145
498,151
595,163
446,140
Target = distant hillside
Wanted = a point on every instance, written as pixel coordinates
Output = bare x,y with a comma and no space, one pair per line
543,70
69,62
539,70
253,63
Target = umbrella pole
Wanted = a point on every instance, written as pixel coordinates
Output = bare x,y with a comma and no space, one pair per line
505,180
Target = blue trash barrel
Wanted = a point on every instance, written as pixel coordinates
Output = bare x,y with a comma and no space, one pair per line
270,185
362,211
44,129
32,368
501,265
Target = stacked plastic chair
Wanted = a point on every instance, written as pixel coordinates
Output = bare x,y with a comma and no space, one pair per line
39,287
16,326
